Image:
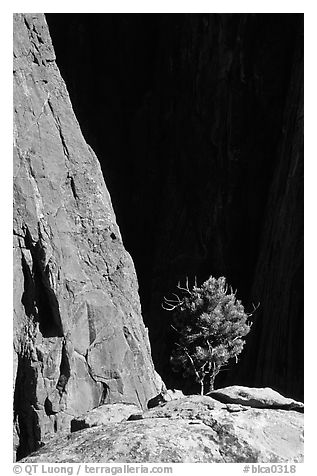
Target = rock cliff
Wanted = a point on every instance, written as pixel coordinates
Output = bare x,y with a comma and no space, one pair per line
79,338
204,122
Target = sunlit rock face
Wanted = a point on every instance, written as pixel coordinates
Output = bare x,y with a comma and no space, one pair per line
79,338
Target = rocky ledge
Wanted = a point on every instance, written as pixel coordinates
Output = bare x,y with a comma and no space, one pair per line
190,429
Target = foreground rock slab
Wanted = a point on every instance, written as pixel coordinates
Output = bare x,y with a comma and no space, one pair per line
193,429
255,397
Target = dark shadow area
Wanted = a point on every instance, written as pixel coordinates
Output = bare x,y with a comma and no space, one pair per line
77,425
64,371
25,405
39,299
197,122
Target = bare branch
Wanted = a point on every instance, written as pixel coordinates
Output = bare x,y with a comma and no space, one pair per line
186,289
223,369
174,301
178,298
202,368
175,330
255,308
193,365
191,361
171,308
171,304
210,348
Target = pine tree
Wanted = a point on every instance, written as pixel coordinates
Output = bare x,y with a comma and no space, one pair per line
210,325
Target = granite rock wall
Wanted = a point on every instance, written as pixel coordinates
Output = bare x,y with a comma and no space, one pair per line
79,337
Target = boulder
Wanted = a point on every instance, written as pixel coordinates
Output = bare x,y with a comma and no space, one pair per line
193,429
173,394
189,407
144,441
255,397
164,396
109,413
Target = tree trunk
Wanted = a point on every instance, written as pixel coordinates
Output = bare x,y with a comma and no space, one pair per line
212,382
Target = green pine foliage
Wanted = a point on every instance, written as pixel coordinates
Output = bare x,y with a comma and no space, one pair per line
210,325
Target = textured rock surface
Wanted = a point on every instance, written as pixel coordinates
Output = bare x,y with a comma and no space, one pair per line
192,429
79,336
255,397
204,112
173,394
109,413
193,406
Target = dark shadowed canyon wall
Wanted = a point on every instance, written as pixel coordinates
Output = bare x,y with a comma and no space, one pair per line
79,337
197,122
